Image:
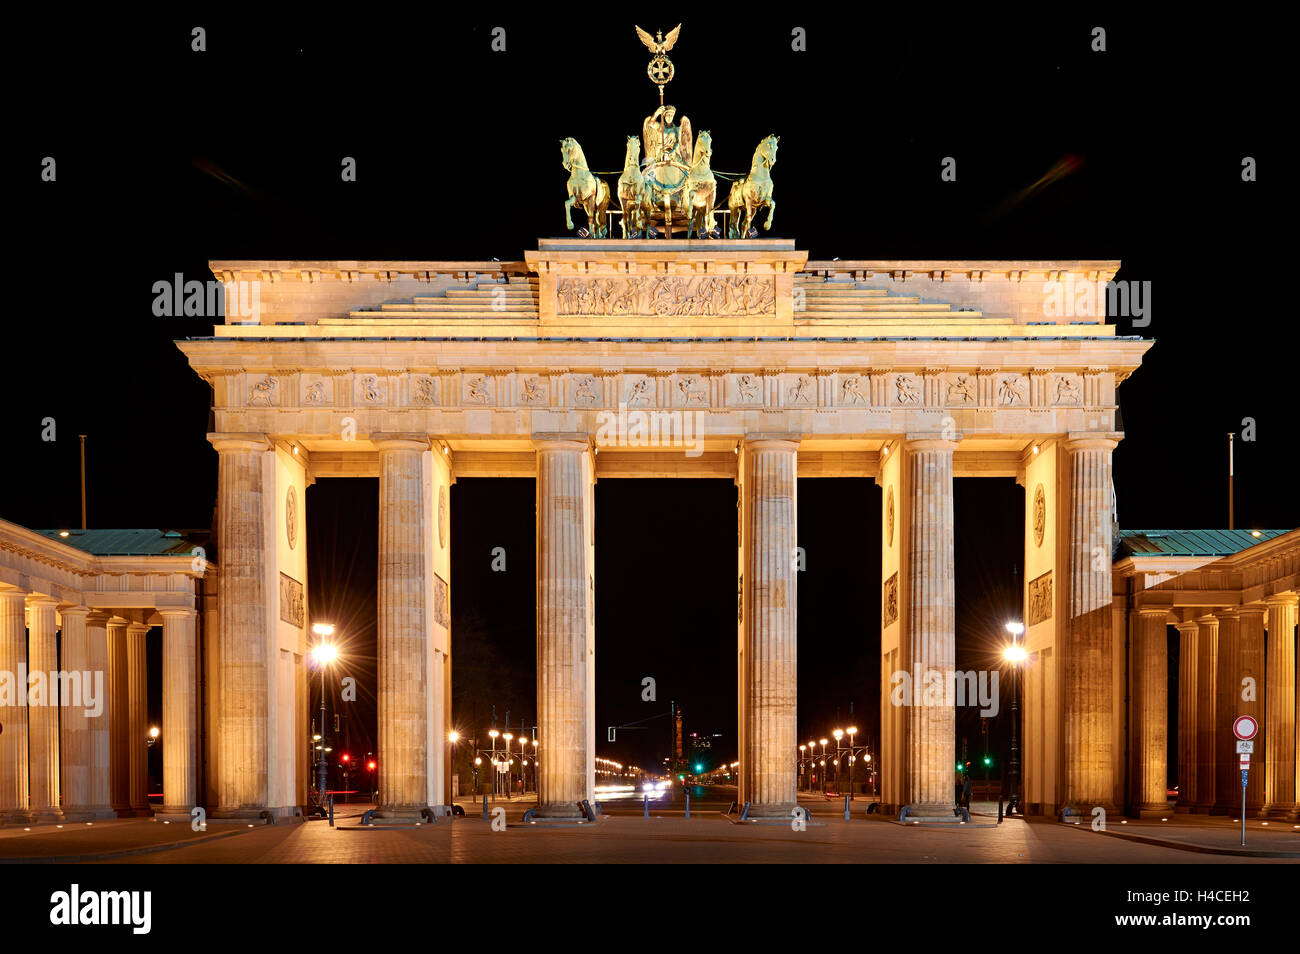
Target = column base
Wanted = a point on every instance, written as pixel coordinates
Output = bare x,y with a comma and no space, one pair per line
17,817
782,810
403,814
1202,808
89,813
45,816
1283,812
558,810
1151,811
923,810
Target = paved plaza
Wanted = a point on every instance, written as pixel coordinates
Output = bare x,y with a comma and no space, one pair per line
666,837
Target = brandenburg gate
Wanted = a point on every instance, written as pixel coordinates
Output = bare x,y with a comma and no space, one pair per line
608,357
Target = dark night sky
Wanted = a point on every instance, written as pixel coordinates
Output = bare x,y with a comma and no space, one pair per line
168,158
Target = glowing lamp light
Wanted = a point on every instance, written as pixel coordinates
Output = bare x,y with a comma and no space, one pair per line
1015,654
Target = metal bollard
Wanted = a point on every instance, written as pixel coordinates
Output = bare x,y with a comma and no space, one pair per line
485,814
647,807
688,806
331,811
846,808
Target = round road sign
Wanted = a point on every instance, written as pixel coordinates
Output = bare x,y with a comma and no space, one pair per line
1245,727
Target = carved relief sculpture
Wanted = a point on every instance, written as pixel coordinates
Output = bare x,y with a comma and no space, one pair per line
721,295
1040,598
1040,515
889,601
291,604
262,393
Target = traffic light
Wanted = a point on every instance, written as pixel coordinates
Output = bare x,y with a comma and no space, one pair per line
988,760
698,768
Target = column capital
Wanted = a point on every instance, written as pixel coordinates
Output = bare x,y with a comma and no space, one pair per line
13,595
166,611
1150,610
1252,609
71,609
400,441
924,442
98,617
138,628
1189,626
781,442
224,443
1077,441
40,599
1283,599
1228,612
561,441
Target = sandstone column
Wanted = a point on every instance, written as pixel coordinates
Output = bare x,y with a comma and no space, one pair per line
119,760
74,728
1250,654
403,630
241,719
564,477
180,713
14,788
1150,729
98,725
1280,706
1228,703
1187,726
43,718
767,762
1086,688
930,622
137,718
1207,662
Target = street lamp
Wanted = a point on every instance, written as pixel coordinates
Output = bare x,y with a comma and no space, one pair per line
324,654
510,791
1015,655
838,735
851,732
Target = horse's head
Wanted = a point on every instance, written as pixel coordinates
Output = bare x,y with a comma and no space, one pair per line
569,151
703,147
633,149
768,148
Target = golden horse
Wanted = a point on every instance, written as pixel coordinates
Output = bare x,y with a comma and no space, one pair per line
751,193
585,190
633,191
701,189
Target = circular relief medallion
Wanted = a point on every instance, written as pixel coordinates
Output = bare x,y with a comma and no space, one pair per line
889,519
291,516
1040,515
442,516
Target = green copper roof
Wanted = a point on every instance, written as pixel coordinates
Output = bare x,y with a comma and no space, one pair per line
130,542
1216,543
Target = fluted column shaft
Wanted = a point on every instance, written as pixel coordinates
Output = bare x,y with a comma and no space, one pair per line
1250,654
1187,728
137,716
43,708
74,729
1150,729
771,643
1228,703
119,707
1086,687
931,601
179,712
403,630
564,587
1207,663
98,724
1280,709
241,724
14,779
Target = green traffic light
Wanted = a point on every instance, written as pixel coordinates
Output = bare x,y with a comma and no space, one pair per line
699,767
987,760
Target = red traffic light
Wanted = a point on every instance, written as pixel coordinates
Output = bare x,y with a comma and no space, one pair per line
347,758
371,766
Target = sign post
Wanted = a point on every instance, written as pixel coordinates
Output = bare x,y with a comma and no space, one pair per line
1244,728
